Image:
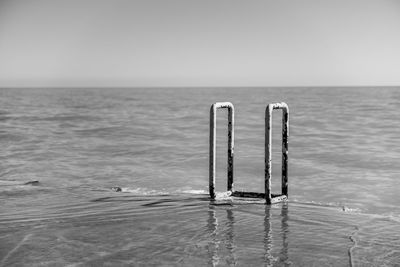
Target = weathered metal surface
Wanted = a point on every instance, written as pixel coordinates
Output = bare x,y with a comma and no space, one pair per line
231,137
277,199
268,150
248,194
254,197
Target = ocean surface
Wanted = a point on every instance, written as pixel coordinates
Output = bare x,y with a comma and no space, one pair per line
344,178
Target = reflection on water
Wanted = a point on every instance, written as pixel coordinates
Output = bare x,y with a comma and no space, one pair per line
283,255
268,258
225,236
212,226
128,230
227,239
284,231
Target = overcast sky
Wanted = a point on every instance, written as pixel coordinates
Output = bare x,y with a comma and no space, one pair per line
199,42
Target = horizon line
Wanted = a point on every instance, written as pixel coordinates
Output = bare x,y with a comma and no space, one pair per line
194,87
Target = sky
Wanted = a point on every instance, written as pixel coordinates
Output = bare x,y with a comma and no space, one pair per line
134,43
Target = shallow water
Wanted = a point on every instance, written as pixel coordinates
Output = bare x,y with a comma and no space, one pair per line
78,143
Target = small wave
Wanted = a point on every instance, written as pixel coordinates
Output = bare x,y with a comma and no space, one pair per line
351,210
12,188
76,117
4,118
394,218
152,192
8,137
193,191
140,191
18,183
334,205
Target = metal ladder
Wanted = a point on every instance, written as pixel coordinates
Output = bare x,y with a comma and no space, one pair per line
267,195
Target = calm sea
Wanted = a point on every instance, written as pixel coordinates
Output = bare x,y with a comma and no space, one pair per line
344,178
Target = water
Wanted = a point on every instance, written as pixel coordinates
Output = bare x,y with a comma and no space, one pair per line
153,143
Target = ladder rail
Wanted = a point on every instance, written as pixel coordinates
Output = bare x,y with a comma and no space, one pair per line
268,196
231,138
268,148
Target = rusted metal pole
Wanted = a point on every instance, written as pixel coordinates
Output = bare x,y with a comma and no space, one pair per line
231,137
285,148
211,168
268,152
268,148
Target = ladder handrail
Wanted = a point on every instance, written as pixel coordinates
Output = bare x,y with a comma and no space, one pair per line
213,130
268,148
269,197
